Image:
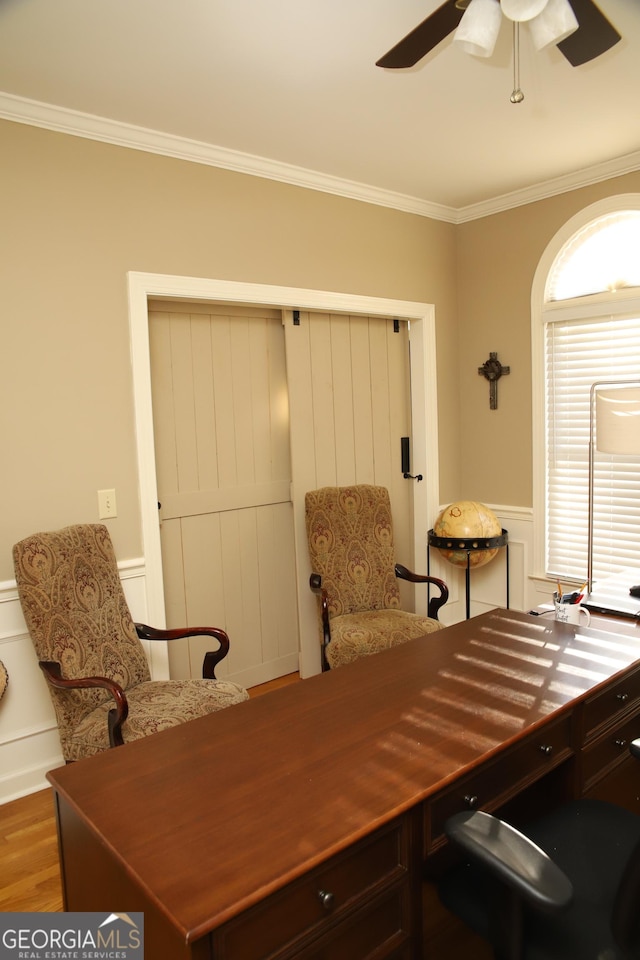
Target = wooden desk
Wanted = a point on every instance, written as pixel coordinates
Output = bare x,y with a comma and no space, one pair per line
296,825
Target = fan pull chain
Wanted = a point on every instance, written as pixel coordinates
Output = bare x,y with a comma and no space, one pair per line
517,96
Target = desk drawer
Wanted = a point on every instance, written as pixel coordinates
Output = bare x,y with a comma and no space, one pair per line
610,749
317,900
604,707
495,782
380,931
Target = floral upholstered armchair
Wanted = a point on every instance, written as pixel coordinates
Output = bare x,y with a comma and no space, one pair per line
350,537
4,679
89,647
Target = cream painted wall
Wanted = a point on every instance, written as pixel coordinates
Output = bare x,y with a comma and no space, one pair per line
76,216
497,259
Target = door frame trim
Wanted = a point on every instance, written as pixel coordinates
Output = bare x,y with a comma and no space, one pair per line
424,413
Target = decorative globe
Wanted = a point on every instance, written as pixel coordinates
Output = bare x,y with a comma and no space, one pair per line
470,521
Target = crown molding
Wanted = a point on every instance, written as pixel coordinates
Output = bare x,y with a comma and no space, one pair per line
74,123
551,188
91,127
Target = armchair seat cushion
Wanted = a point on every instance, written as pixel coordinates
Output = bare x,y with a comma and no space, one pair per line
153,706
355,635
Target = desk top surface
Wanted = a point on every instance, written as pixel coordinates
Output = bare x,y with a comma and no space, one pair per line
215,814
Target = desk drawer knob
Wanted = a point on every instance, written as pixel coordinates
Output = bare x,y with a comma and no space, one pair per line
620,743
326,899
547,749
622,697
471,801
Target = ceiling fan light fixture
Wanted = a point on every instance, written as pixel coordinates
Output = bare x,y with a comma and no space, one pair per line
521,10
556,22
478,30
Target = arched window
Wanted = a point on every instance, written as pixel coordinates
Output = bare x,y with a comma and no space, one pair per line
603,256
586,329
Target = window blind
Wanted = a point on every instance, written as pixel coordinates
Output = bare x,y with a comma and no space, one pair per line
577,354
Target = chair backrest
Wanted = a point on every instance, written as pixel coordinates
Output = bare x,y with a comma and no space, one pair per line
350,537
77,615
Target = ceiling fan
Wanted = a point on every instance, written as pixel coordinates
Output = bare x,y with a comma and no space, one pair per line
593,36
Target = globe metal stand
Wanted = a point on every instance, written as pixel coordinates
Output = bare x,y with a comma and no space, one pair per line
470,545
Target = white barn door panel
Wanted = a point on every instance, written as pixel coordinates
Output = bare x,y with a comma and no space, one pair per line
221,428
350,404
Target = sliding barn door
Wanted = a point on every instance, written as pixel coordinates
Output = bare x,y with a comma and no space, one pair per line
221,428
350,402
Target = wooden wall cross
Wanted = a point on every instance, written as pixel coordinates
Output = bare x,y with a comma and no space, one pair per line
492,370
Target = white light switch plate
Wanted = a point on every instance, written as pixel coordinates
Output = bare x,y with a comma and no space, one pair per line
107,504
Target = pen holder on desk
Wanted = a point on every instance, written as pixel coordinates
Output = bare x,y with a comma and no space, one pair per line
570,612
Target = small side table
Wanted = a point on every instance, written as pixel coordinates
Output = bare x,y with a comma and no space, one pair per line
470,545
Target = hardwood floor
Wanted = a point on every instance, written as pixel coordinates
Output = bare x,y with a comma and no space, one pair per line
30,876
29,855
274,684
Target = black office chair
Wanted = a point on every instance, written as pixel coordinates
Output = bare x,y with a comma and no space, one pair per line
568,888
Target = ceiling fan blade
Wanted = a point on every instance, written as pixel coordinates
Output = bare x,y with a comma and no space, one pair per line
425,37
594,36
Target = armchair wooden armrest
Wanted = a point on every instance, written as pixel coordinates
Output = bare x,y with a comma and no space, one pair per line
211,658
117,715
315,582
435,602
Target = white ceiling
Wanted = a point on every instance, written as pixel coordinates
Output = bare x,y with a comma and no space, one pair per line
294,82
